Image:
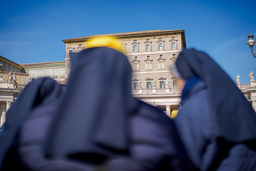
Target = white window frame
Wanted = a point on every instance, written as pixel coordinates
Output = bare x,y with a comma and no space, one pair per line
135,48
174,45
136,66
160,46
135,86
149,85
148,47
161,84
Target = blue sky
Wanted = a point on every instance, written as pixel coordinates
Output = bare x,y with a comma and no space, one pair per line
32,31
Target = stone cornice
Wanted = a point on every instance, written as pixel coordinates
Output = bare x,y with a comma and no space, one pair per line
44,64
131,35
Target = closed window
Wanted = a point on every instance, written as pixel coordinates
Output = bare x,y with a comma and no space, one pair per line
135,66
174,84
148,65
148,47
135,48
173,45
149,85
161,46
135,85
162,85
161,64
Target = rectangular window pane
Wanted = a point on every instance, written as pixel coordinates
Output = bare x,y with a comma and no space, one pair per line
160,46
173,45
149,85
135,48
135,86
148,47
162,85
135,66
161,64
148,65
174,84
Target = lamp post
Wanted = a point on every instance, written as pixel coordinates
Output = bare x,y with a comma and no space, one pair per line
251,43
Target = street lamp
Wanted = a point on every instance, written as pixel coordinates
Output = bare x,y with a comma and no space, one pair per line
251,43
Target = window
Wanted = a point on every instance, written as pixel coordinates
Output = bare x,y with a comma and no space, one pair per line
161,64
148,47
174,84
135,85
24,80
149,85
162,85
135,48
148,65
135,66
160,46
148,57
173,45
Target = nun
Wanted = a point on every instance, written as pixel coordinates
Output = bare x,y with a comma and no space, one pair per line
25,127
216,122
99,122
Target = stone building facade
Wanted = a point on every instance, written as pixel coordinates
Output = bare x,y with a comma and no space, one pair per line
12,80
55,70
150,54
248,89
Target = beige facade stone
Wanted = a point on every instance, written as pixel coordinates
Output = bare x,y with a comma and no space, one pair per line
12,80
150,54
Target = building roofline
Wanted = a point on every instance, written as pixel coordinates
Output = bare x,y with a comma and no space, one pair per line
131,35
11,62
43,64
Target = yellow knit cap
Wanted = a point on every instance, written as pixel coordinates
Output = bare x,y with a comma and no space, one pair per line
174,114
110,42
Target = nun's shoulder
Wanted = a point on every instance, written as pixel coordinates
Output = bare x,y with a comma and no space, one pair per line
151,112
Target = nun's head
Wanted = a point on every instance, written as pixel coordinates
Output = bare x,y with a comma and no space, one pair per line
181,70
179,80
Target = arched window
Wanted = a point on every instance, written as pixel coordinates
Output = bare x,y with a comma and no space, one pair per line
173,45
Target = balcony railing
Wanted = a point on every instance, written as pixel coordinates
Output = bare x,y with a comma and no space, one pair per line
157,91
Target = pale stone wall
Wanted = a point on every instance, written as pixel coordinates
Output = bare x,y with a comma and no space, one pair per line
166,98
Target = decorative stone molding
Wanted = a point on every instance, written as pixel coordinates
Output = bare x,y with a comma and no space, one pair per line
161,58
148,42
173,40
161,78
160,41
149,79
135,59
135,43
